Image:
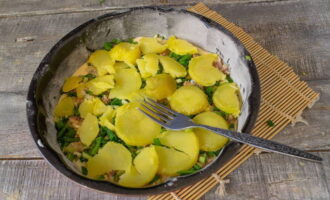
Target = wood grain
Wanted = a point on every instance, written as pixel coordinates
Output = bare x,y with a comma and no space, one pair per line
267,176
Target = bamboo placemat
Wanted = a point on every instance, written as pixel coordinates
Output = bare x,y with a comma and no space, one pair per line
283,99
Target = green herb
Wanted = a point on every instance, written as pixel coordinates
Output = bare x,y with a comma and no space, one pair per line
70,139
213,153
209,92
84,170
116,102
111,134
157,142
89,92
71,93
82,159
61,132
76,111
71,156
61,123
116,175
248,58
220,112
270,123
143,83
89,76
109,45
155,179
180,82
182,59
192,170
197,167
229,79
131,40
101,177
202,158
160,68
231,126
95,146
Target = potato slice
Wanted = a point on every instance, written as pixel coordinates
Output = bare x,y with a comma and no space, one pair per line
81,90
160,86
151,45
120,65
180,46
172,67
71,83
64,107
133,127
107,117
189,100
99,107
100,84
102,61
126,52
208,140
86,107
171,160
226,98
113,156
88,130
148,65
201,70
127,81
143,171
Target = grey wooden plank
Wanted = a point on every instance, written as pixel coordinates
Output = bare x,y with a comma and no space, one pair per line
298,32
299,37
277,177
267,176
10,8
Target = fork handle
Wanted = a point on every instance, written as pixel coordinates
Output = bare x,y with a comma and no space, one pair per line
262,143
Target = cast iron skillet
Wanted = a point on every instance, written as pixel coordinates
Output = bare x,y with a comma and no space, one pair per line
38,108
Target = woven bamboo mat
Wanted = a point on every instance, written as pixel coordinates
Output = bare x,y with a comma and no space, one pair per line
283,98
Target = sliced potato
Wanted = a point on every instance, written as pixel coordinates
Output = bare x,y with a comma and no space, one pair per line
151,45
88,130
189,100
148,65
137,96
107,117
80,90
71,83
201,70
120,65
113,156
86,107
99,107
226,98
133,127
171,161
64,107
100,84
160,86
126,52
127,82
172,67
180,46
102,61
208,140
143,171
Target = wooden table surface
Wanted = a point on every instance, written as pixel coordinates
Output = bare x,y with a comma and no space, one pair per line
297,31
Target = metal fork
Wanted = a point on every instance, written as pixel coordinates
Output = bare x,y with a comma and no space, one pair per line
175,121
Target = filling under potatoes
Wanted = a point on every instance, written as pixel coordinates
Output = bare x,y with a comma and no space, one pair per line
100,129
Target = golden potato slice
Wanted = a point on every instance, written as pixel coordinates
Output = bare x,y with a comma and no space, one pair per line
120,65
143,171
148,65
102,61
201,70
180,46
71,83
208,140
100,84
88,130
64,107
189,100
80,90
107,117
113,156
133,127
151,45
160,86
126,52
226,98
86,107
99,107
172,67
137,96
127,81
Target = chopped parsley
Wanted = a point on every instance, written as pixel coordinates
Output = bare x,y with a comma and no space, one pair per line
182,59
84,170
270,123
116,102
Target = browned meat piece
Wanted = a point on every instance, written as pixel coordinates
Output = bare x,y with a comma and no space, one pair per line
75,121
